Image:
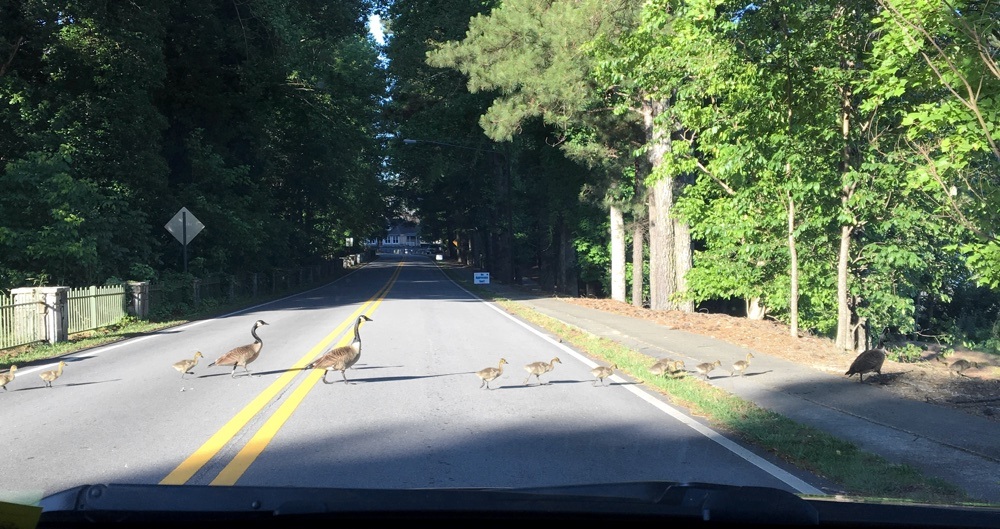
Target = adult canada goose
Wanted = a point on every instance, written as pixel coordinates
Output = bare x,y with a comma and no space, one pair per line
244,354
343,357
869,361
959,366
491,373
540,368
707,367
185,366
7,377
50,376
602,372
741,365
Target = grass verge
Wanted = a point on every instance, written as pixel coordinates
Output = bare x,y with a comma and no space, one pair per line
861,474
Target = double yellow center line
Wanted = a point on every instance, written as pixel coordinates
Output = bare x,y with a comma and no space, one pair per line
232,472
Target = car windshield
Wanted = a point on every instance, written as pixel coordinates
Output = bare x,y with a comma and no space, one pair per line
440,244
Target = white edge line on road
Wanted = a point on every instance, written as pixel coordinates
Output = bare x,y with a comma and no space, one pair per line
799,485
129,341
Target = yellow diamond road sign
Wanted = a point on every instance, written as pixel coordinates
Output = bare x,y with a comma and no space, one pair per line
176,226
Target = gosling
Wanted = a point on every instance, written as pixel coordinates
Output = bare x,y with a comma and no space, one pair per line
707,367
540,368
185,366
602,372
50,376
490,373
741,365
958,367
7,377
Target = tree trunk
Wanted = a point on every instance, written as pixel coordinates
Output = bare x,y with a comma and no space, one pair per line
617,253
755,311
682,262
793,301
566,277
638,239
845,333
845,338
662,277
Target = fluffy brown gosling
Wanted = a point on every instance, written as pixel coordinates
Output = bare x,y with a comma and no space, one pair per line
676,368
7,377
958,367
540,368
50,376
185,366
707,367
343,357
741,365
491,373
602,372
660,368
244,354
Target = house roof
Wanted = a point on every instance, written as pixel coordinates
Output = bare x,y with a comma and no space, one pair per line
400,229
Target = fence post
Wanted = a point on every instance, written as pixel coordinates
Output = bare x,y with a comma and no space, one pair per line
92,305
29,314
196,287
140,299
56,301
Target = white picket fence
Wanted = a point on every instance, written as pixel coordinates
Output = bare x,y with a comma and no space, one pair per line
96,307
21,323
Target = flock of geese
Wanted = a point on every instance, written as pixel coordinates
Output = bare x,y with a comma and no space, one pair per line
344,357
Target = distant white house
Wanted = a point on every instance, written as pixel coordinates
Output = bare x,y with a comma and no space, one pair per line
400,235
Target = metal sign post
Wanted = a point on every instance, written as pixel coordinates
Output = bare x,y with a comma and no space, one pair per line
184,226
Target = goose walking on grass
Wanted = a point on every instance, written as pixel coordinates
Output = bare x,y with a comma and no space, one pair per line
244,354
185,366
540,368
602,372
660,368
7,377
491,373
343,357
50,376
666,366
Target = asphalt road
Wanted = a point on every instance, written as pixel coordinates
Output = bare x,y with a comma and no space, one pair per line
414,416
